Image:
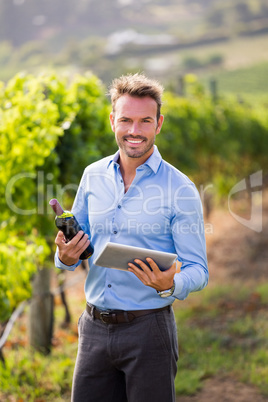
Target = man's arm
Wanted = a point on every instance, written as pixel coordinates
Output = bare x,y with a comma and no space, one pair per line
187,230
189,239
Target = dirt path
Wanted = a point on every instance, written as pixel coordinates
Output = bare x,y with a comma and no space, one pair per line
235,254
224,389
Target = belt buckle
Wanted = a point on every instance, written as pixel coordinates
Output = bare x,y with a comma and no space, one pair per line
105,315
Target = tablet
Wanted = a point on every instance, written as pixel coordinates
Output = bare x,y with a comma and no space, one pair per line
118,256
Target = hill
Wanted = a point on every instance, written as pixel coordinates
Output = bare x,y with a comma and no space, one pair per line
164,38
26,20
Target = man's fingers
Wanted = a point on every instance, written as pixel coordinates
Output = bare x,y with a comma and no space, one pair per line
153,276
82,244
77,238
143,265
70,252
153,265
79,242
60,238
138,272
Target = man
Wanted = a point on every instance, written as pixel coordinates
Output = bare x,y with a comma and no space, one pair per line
127,335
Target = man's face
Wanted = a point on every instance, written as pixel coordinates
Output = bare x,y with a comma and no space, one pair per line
135,125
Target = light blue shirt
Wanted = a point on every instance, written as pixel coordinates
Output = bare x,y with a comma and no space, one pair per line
161,211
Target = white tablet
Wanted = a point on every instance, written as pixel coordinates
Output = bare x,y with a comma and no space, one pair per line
118,256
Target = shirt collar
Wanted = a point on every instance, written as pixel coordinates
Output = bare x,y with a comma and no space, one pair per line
153,162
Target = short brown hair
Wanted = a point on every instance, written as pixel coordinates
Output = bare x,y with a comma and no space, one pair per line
136,85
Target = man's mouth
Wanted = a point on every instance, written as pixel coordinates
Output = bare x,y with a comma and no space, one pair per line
131,141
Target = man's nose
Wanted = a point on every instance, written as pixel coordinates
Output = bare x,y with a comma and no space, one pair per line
134,129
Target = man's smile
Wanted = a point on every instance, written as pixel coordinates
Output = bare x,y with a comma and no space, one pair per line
131,141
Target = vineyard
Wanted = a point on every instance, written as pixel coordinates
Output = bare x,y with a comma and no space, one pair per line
51,127
49,132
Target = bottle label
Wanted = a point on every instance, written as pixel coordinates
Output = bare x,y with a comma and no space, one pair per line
66,214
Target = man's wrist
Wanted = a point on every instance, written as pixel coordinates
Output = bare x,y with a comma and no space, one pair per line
168,292
69,264
59,263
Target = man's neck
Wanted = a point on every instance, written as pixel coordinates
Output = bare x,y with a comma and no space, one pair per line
128,167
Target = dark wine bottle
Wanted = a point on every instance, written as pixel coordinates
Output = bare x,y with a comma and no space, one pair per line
67,223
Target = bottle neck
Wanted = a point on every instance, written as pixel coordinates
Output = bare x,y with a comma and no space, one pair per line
66,214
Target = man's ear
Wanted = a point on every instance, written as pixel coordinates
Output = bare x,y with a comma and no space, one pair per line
159,124
112,121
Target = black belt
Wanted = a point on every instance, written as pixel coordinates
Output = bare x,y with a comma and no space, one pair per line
120,316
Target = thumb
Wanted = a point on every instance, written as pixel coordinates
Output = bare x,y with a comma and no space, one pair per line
178,265
60,238
173,268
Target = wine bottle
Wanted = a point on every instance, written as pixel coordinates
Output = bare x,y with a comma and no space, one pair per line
67,223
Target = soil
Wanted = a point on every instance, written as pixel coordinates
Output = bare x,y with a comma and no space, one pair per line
224,389
236,254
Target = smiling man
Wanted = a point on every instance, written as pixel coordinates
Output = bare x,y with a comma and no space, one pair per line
134,132
128,346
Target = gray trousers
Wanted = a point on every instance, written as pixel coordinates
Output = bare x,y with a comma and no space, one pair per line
130,362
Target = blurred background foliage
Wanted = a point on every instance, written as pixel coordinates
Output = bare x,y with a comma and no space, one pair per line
214,140
51,128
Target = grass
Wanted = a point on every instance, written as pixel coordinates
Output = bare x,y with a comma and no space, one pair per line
221,331
245,68
30,376
238,52
231,342
250,80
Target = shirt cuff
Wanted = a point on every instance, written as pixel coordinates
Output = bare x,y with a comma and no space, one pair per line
178,286
59,264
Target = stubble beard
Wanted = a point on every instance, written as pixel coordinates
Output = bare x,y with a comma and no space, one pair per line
135,153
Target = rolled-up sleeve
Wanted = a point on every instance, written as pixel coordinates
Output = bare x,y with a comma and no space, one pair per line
189,238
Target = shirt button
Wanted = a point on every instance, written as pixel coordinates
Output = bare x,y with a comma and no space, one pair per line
109,286
115,231
119,206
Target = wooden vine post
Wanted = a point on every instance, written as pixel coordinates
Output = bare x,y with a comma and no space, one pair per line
41,312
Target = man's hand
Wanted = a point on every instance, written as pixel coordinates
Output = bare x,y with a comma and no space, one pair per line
69,252
159,280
